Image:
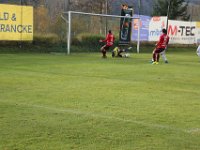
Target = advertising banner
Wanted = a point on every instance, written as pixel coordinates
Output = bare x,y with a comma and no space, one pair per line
144,28
155,27
16,22
125,26
182,32
198,32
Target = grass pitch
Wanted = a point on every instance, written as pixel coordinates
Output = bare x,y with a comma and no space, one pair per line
84,102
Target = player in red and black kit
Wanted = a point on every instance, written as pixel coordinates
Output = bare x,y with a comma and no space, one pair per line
109,42
160,46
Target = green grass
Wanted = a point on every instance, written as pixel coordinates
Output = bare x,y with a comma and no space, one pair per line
59,102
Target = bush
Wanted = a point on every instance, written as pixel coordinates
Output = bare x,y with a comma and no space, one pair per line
46,40
83,42
88,42
42,43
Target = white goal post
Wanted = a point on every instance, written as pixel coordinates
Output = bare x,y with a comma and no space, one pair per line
69,23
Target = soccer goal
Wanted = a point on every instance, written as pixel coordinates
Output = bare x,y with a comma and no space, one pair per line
84,30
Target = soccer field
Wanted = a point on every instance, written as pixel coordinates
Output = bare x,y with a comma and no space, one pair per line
84,102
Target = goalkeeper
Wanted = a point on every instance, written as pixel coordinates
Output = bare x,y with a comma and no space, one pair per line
117,52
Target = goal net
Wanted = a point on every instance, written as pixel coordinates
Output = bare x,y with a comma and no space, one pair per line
84,30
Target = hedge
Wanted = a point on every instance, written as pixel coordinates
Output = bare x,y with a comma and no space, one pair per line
84,42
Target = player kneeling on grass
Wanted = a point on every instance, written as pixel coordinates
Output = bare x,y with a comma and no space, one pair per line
160,46
109,42
118,52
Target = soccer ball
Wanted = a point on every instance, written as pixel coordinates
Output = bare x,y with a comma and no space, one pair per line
127,55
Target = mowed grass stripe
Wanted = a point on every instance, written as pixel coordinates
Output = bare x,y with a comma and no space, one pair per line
84,102
102,116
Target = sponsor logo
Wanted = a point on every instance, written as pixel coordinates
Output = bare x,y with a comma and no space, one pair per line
181,30
156,18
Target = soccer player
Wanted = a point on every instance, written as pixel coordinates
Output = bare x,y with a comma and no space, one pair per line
160,46
198,50
163,54
109,42
164,57
118,52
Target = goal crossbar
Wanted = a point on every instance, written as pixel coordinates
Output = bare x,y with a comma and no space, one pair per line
102,15
68,21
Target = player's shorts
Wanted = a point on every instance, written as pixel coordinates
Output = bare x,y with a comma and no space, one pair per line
106,47
198,54
159,50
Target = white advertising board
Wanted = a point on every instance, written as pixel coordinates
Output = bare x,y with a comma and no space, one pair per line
180,32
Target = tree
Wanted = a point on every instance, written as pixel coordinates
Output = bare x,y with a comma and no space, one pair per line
100,7
194,11
178,9
41,19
